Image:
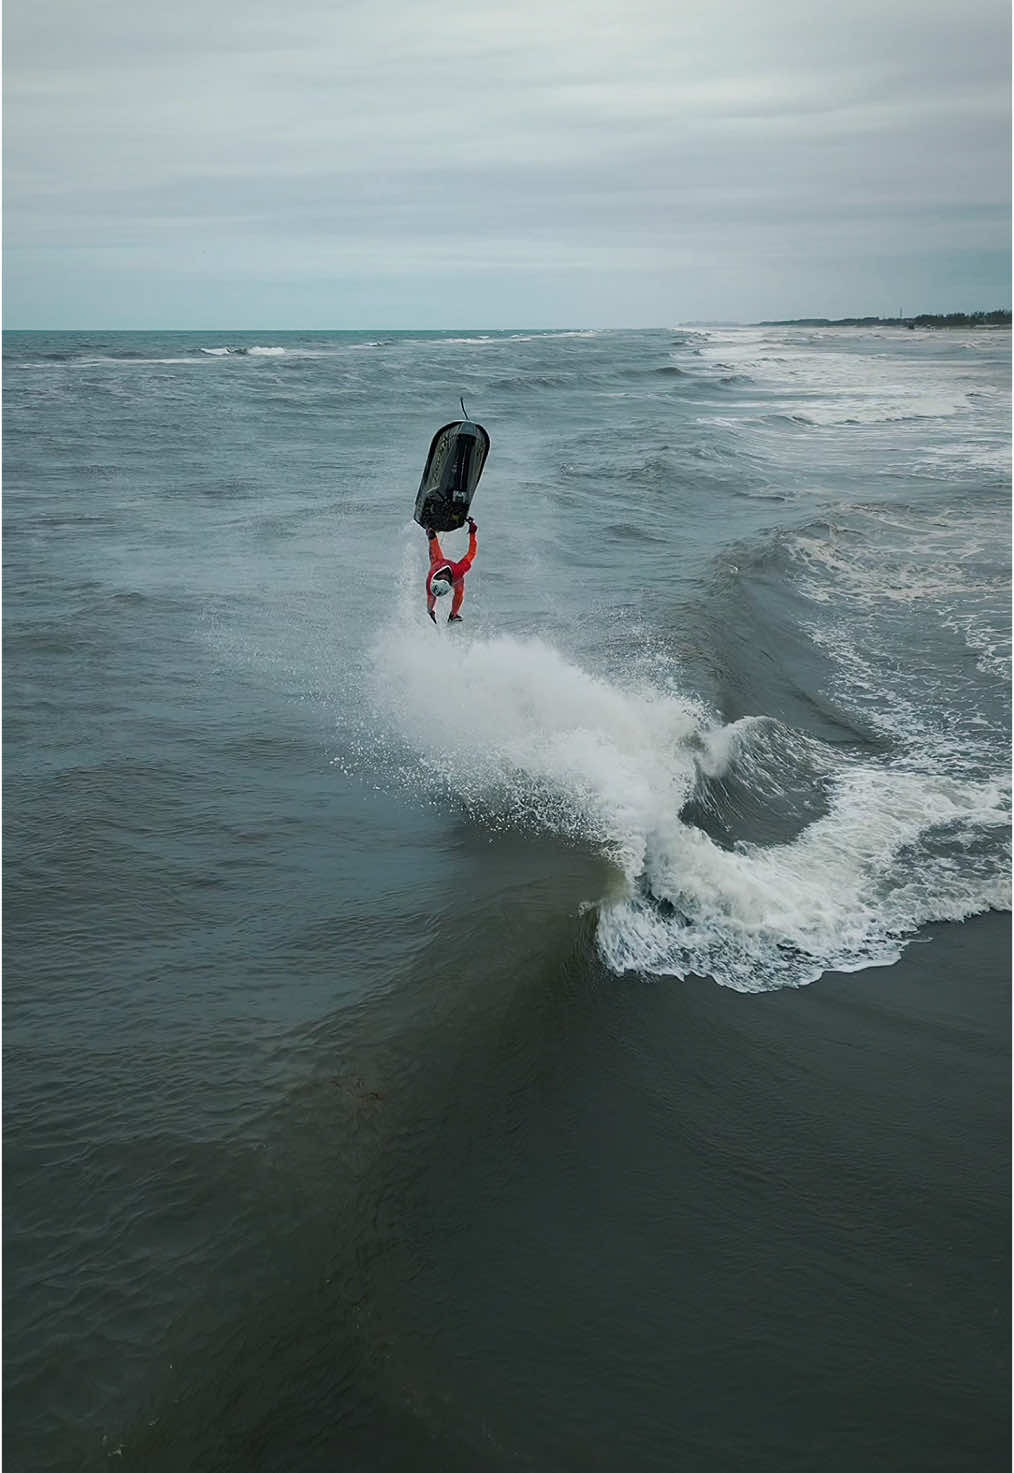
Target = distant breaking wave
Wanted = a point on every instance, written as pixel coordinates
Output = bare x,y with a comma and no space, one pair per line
253,352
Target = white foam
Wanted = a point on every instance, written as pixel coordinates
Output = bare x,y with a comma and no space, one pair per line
990,643
952,566
825,381
253,352
842,896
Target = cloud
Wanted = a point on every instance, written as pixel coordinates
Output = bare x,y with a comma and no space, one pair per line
326,143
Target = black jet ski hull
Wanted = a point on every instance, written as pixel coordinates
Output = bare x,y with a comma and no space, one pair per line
457,455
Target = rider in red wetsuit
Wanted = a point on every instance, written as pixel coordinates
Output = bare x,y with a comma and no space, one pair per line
444,575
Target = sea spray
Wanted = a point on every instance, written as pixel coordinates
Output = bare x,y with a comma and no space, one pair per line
514,727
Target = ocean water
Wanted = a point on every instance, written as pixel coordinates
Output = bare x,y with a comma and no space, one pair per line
576,1039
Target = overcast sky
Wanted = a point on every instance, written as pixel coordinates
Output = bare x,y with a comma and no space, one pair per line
501,163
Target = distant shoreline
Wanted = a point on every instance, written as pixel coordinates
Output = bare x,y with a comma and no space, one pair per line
998,318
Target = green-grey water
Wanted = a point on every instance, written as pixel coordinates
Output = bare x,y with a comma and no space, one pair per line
575,1039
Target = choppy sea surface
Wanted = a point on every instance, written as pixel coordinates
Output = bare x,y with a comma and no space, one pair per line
578,1038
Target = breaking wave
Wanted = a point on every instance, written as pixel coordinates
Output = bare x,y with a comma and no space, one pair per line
872,849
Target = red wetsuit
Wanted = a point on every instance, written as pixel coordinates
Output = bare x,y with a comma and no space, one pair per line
457,572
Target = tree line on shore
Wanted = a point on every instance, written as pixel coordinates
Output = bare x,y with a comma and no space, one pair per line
999,317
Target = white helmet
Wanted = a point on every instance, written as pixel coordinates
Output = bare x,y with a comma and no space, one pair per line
440,586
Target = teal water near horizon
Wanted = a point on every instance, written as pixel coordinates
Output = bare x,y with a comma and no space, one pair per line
576,1039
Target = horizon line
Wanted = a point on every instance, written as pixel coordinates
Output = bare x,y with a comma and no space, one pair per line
529,327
